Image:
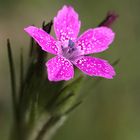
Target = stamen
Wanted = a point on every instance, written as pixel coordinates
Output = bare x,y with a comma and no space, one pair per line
71,44
69,50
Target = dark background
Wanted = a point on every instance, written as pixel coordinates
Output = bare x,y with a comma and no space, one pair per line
112,109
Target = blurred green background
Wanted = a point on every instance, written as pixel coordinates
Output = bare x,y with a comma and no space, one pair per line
112,109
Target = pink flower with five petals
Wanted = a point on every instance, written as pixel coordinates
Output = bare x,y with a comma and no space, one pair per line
70,50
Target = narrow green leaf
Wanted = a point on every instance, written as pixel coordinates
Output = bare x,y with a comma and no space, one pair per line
71,87
13,78
63,100
116,62
60,102
73,107
47,126
17,123
21,74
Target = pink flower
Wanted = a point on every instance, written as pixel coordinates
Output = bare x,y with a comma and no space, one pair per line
70,50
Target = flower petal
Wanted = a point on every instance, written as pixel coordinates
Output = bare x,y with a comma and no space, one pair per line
95,67
66,24
95,40
46,41
59,68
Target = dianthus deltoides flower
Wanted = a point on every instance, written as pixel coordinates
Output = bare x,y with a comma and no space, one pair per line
70,50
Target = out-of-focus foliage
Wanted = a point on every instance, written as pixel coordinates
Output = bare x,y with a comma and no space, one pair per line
111,109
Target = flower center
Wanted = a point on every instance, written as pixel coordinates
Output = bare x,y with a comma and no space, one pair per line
69,50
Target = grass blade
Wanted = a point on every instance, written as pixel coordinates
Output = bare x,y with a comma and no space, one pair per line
21,75
12,73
